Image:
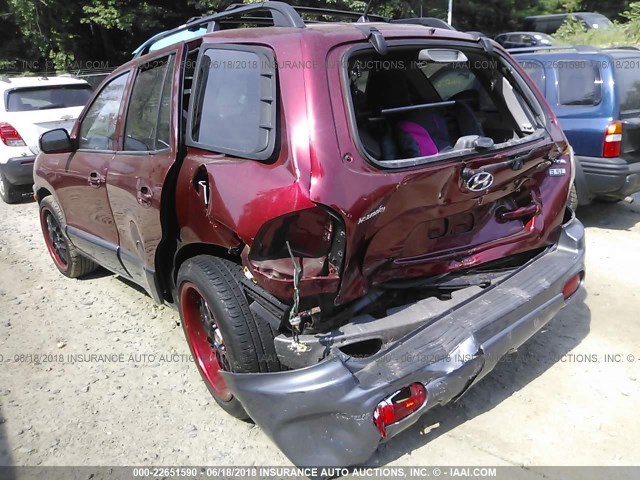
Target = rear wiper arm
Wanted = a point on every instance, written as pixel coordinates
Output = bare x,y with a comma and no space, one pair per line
516,163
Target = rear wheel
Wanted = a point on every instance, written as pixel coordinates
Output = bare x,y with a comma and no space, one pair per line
8,191
64,255
572,201
222,333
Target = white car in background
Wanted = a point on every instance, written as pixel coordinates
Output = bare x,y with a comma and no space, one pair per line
30,106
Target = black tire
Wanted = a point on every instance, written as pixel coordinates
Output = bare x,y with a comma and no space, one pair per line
9,192
71,262
572,201
247,342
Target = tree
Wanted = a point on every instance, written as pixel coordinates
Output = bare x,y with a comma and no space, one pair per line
60,33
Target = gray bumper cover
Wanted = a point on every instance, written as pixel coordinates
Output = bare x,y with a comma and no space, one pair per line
19,170
613,177
323,415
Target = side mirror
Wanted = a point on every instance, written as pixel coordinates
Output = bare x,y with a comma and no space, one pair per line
56,141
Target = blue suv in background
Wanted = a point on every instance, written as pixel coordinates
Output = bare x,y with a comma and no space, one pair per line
595,94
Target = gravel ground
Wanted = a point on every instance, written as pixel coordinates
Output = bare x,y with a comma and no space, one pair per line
557,401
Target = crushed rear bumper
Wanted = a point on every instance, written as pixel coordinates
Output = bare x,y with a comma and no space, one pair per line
322,415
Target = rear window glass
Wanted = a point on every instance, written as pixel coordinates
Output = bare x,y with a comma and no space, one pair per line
535,70
44,98
406,108
579,83
627,78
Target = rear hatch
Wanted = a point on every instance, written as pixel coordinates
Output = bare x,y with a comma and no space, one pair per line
35,110
463,167
627,81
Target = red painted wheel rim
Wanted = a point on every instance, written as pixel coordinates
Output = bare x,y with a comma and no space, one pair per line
54,239
205,339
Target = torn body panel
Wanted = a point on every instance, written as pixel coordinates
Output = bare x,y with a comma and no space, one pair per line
396,223
323,414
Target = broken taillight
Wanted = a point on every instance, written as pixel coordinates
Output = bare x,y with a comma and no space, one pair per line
315,236
398,406
10,136
612,140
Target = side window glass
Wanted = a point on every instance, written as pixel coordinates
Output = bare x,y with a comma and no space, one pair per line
163,138
234,105
536,71
99,124
147,125
579,83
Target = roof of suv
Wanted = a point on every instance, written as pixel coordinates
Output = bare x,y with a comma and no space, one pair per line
9,83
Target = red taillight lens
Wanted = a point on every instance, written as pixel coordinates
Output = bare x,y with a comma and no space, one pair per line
398,406
571,286
612,140
10,136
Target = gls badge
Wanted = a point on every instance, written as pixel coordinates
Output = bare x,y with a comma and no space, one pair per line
480,181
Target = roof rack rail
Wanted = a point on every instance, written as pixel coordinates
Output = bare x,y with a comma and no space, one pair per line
622,47
284,15
361,17
552,48
425,22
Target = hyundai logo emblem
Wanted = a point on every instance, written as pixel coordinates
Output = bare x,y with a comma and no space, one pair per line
480,181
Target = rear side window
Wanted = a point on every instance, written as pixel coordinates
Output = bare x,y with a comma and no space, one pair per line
406,108
44,98
579,83
234,107
147,126
627,79
535,70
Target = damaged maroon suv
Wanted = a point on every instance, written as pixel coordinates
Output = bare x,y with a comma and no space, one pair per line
355,220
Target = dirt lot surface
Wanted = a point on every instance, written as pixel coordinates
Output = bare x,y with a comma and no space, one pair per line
557,401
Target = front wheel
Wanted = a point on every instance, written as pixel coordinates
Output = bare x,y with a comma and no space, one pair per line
68,260
222,333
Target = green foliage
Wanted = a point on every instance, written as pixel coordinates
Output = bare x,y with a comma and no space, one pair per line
27,17
573,32
62,32
106,14
572,5
61,60
492,16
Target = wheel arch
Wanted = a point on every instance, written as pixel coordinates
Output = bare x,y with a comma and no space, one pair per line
168,272
42,192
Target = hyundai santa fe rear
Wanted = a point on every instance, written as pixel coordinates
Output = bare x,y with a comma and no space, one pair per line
355,221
